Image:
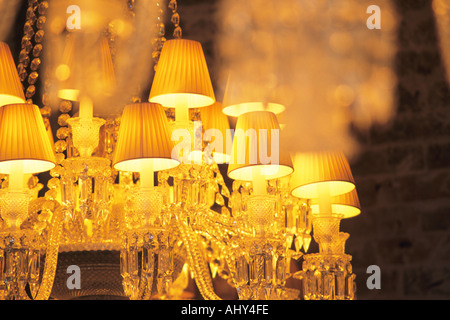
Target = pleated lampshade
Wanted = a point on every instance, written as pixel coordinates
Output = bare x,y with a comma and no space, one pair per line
182,78
75,74
312,169
215,123
24,140
108,75
253,148
144,139
65,72
346,204
241,97
11,90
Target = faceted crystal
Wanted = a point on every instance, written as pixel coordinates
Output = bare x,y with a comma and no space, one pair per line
46,111
31,90
35,63
62,119
37,50
43,6
60,146
39,36
26,44
40,23
62,133
32,78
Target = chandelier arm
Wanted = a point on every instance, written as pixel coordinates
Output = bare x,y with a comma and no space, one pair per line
221,231
219,228
51,257
197,262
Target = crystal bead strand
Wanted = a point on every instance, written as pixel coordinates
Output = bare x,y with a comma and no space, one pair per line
175,19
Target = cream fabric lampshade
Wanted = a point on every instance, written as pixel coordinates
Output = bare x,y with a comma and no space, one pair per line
24,140
217,128
252,142
346,204
244,96
326,168
182,78
144,139
76,74
11,90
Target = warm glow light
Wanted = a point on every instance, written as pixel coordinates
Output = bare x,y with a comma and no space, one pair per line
237,109
256,147
346,211
138,165
312,170
182,99
9,99
24,140
144,139
346,205
69,94
182,78
121,27
62,72
311,191
11,90
221,157
241,97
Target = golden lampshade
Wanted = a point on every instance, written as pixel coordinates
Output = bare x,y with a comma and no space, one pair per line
256,148
313,170
108,75
95,77
346,204
217,128
182,79
11,90
144,139
69,89
241,97
24,140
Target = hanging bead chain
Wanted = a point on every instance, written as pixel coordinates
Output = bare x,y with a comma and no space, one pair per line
31,46
175,19
30,61
159,40
31,50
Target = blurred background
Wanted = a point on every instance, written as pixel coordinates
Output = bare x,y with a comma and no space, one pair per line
402,167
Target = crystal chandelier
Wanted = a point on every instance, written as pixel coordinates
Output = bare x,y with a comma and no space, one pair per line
146,183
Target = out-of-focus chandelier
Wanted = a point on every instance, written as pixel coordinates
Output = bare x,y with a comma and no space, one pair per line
144,179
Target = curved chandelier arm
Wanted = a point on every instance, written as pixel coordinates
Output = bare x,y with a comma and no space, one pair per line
51,257
220,231
197,262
